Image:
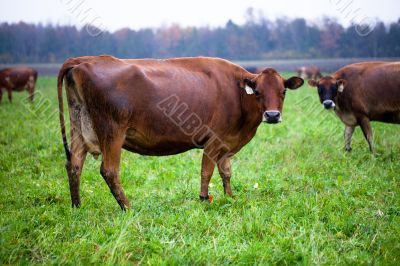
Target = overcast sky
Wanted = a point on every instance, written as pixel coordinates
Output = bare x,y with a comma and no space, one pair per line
113,15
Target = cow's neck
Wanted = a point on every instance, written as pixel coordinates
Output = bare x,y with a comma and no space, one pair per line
340,101
251,111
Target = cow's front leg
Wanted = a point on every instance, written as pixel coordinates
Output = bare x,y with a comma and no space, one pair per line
367,130
111,151
207,169
31,91
348,134
224,168
1,94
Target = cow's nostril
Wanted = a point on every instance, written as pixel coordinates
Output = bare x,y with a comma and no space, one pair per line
328,104
272,114
272,117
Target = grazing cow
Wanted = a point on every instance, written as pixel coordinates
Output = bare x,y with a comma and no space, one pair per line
18,79
164,107
310,72
360,93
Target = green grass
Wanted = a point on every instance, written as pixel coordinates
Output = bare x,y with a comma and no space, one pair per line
315,204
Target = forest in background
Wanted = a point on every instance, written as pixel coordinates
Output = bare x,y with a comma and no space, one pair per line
255,40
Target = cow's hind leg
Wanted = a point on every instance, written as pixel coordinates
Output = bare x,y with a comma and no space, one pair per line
1,94
207,169
348,134
78,149
31,88
111,150
74,166
367,130
31,91
224,168
9,95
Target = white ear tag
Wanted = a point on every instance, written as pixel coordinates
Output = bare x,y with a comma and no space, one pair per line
341,88
249,90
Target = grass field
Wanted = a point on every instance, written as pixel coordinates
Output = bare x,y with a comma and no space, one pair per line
315,204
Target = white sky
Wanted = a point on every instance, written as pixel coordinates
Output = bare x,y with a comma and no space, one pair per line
113,15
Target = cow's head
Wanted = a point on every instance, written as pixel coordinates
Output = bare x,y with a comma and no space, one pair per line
328,89
270,88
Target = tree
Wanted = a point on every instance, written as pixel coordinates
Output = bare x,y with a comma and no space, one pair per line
258,38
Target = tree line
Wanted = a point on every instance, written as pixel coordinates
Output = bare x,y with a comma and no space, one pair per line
254,40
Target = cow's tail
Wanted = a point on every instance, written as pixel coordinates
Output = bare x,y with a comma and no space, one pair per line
63,71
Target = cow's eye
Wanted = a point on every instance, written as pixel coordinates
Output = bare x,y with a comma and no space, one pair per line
256,92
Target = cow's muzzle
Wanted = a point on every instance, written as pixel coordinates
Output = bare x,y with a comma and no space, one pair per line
272,117
328,104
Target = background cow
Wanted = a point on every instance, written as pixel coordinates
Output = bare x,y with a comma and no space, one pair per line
360,93
18,79
164,107
309,72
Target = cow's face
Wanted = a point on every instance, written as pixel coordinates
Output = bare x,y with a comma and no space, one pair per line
270,89
328,89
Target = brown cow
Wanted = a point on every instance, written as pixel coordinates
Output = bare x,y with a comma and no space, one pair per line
164,107
360,93
309,72
18,79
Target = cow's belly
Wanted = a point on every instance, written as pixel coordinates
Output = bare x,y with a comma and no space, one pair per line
388,117
15,85
152,144
161,149
18,88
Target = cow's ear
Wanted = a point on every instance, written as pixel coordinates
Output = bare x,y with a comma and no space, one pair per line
313,83
248,85
294,83
341,83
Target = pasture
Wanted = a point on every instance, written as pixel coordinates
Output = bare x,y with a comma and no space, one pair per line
299,198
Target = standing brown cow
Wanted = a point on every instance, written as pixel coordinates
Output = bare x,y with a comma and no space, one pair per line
18,79
164,107
309,72
360,93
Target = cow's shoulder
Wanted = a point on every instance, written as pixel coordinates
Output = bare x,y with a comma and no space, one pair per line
202,62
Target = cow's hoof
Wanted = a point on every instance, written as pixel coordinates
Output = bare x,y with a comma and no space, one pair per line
76,205
125,207
209,198
348,149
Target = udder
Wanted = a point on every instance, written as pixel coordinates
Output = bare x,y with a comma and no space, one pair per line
89,135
